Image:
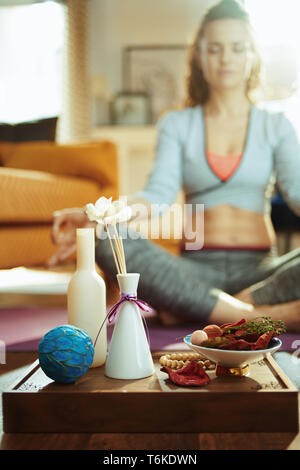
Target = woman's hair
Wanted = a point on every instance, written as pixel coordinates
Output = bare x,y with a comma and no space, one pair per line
197,87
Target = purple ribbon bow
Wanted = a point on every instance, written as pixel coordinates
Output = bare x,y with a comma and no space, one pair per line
127,298
114,310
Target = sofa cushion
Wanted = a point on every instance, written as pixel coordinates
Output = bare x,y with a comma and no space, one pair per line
5,148
40,129
32,196
96,160
25,245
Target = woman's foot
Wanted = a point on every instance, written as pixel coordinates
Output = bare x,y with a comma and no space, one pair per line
244,296
288,312
230,309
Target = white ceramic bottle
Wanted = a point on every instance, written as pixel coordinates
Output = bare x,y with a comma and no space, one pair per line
87,295
129,355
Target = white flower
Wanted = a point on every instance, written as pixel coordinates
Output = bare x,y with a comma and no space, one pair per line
117,213
107,212
91,212
96,212
103,204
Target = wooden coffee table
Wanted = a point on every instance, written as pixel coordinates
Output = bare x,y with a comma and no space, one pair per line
177,431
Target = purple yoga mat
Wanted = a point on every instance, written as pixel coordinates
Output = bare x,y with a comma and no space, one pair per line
21,329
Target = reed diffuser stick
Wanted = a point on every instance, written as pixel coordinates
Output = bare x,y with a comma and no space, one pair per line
121,250
119,256
112,249
124,259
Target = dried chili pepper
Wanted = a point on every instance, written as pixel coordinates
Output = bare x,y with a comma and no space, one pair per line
227,326
264,340
261,342
190,375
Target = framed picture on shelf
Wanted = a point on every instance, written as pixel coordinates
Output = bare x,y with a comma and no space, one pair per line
131,108
159,71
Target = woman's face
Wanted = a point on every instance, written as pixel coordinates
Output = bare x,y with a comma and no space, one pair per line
226,55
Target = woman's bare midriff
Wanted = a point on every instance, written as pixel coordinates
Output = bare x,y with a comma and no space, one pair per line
228,226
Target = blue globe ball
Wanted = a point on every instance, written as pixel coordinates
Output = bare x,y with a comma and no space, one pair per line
65,353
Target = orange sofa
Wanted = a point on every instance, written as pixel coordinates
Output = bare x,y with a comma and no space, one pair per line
38,178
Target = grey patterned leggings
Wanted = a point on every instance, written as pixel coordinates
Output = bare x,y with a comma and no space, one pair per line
188,285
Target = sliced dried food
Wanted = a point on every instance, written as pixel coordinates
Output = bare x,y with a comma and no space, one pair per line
191,375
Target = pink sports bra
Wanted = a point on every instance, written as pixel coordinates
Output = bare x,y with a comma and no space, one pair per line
223,165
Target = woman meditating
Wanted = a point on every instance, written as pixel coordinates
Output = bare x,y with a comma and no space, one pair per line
227,154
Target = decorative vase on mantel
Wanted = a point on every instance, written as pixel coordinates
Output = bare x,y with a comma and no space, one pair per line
129,355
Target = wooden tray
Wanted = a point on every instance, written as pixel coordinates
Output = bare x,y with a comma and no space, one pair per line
264,401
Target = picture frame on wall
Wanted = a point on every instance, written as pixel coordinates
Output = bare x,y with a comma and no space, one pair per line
131,108
158,70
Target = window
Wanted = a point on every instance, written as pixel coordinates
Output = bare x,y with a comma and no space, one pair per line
31,40
276,24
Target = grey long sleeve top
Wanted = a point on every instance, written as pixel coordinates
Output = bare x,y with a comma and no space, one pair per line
271,154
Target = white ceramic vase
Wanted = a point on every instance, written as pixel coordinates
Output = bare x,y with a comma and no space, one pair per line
129,355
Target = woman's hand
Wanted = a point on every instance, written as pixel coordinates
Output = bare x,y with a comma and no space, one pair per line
63,233
65,223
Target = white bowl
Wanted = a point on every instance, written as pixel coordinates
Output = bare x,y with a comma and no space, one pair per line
228,358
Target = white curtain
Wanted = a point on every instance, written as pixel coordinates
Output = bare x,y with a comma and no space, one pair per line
75,120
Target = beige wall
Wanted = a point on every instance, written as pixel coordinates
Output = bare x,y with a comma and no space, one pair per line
115,24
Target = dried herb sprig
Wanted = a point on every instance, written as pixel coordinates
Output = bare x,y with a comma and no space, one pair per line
259,326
